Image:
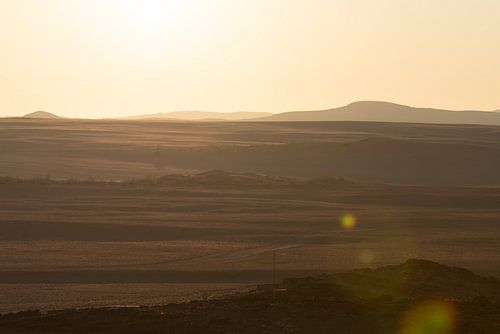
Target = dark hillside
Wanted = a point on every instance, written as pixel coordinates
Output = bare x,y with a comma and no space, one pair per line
415,297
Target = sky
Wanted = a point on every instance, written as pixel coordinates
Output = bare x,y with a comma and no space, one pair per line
112,58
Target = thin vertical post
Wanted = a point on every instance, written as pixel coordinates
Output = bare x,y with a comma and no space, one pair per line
274,275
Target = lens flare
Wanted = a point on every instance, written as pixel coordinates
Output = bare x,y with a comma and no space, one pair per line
348,222
366,257
430,317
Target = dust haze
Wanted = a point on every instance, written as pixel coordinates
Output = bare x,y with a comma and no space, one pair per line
264,166
151,212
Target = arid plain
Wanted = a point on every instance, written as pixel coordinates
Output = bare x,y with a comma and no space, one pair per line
90,203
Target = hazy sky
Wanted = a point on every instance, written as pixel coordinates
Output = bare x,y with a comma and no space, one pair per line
106,58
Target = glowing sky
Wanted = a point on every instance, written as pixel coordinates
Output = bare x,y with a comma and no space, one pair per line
107,58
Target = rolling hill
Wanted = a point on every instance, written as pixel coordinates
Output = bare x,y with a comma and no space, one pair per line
417,296
366,111
400,153
41,114
201,116
390,112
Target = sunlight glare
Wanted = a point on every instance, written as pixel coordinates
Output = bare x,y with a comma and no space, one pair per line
430,317
154,18
148,14
348,221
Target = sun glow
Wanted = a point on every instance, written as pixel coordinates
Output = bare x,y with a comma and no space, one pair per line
149,37
156,19
112,58
148,16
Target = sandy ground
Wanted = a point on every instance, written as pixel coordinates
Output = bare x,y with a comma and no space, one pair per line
97,233
106,228
361,151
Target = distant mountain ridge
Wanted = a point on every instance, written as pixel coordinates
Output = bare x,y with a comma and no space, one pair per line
364,111
41,114
375,111
202,115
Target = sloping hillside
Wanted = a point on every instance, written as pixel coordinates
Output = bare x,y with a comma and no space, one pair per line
415,297
41,115
414,279
390,112
201,116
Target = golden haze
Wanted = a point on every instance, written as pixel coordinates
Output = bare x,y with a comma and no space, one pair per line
93,58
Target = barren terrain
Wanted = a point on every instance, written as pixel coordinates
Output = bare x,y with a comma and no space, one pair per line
92,202
360,151
414,297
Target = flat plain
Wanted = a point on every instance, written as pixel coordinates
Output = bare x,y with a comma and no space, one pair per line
86,204
400,153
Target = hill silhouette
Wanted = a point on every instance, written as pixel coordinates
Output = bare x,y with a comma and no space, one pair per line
201,116
366,111
417,296
390,112
413,279
41,114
